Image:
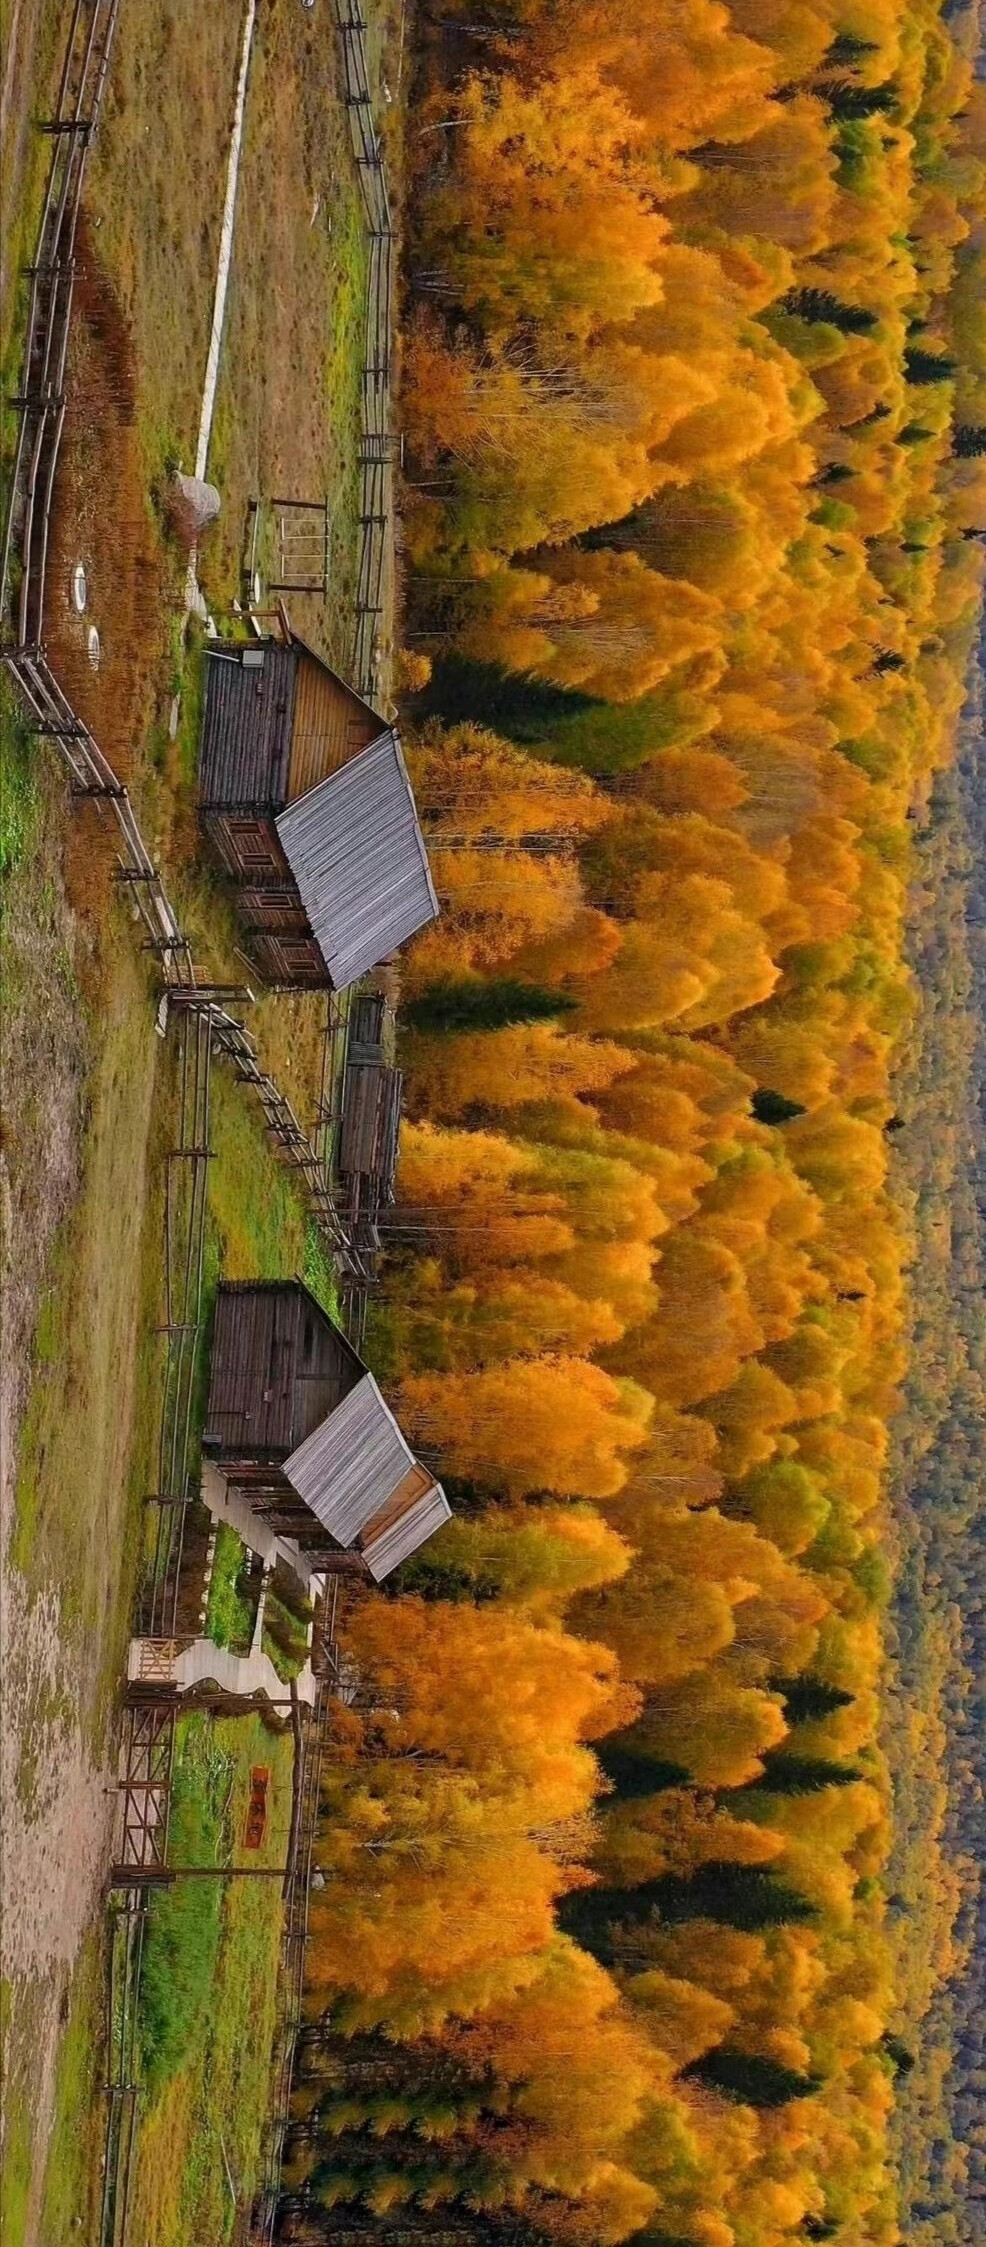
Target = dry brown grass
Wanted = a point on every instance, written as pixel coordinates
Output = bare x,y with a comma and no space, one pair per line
288,406
154,193
288,1027
31,37
103,518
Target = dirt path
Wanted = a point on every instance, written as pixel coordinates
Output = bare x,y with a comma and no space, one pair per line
73,1184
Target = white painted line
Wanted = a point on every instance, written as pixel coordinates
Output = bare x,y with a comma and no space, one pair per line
225,248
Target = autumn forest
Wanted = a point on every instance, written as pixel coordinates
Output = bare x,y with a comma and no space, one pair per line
649,1853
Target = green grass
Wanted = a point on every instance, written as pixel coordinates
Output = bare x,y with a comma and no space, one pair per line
190,684
89,1431
71,2183
184,1922
284,1637
20,804
24,161
317,1272
258,1213
212,2094
287,1666
229,1616
17,2161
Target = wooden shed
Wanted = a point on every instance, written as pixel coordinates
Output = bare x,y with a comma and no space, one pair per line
369,1132
305,796
370,1108
296,1422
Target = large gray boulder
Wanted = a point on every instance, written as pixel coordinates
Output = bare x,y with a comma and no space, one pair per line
193,506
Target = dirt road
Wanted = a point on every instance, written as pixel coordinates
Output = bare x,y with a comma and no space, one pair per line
73,1178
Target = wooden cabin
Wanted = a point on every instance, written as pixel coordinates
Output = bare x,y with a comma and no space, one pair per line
305,797
297,1424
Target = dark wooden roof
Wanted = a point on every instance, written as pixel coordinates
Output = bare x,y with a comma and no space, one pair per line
251,703
297,641
278,1366
246,726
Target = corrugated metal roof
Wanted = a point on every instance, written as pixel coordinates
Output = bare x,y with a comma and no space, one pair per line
357,854
404,1536
348,1468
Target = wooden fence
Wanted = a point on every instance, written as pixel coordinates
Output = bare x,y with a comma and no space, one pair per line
41,402
310,1749
379,445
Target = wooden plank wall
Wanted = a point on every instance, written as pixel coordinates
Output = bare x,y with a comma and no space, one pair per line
330,725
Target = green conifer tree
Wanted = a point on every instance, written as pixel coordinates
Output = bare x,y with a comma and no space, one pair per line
927,366
751,2078
455,1005
807,1697
773,1107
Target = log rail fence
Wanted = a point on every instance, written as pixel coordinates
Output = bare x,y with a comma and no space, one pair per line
380,447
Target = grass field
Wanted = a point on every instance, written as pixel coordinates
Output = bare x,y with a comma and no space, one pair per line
288,406
154,200
69,2189
20,802
208,1998
86,1455
209,1984
30,58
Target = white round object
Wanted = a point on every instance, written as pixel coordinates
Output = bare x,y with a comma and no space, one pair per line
80,589
258,587
93,647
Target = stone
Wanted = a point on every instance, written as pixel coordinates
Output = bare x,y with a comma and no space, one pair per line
193,505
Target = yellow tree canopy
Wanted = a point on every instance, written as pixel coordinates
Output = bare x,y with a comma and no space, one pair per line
530,1424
